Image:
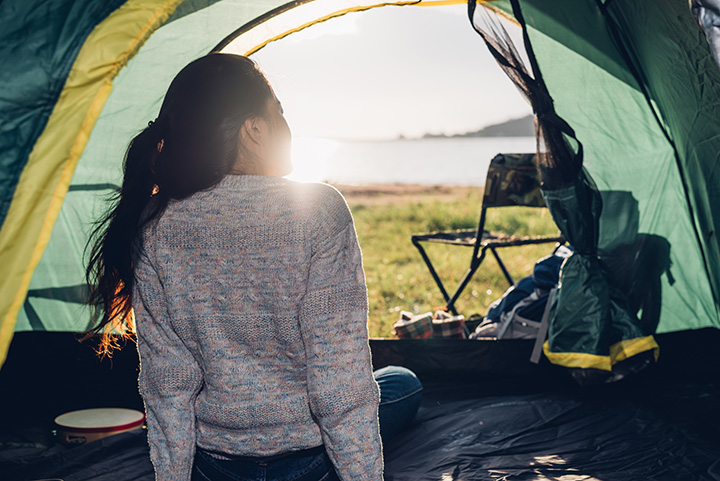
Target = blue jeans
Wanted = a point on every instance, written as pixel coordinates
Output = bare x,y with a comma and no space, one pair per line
400,393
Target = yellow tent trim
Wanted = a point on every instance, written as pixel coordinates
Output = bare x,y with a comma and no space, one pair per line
501,13
47,175
438,3
618,352
360,8
335,14
577,359
625,349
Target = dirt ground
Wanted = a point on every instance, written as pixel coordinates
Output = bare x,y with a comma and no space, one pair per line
371,194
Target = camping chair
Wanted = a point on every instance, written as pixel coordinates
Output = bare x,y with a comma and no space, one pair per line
511,181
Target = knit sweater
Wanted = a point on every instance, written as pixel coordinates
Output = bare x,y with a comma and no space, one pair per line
251,319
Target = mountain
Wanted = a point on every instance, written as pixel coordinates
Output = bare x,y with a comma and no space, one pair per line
522,127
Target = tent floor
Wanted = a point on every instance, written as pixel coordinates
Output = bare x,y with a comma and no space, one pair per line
486,414
603,435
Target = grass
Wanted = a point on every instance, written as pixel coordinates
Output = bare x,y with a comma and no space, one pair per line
398,279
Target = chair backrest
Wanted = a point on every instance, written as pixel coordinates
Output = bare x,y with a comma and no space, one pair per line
512,180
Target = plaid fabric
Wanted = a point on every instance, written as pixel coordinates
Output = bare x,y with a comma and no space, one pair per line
414,327
447,325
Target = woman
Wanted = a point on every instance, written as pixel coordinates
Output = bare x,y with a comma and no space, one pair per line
248,293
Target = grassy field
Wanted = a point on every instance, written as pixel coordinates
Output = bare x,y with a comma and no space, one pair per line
397,278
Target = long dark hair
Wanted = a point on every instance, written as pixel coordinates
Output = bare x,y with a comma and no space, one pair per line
191,146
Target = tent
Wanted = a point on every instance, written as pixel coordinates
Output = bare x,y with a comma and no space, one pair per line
635,80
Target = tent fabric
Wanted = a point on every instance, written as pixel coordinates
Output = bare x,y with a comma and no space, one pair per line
37,195
546,436
40,40
252,37
688,102
41,48
590,323
86,104
120,457
120,74
611,70
648,124
649,128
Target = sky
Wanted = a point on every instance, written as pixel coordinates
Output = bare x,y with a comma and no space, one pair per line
389,71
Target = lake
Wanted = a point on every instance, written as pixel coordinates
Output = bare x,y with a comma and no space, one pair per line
448,161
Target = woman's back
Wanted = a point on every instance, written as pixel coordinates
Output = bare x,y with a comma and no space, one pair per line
252,327
248,293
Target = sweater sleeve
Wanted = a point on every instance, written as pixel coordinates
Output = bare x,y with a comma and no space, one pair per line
169,380
344,396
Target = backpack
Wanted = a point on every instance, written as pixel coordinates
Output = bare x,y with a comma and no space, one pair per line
522,309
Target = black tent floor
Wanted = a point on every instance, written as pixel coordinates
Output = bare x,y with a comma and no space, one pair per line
464,435
478,421
557,436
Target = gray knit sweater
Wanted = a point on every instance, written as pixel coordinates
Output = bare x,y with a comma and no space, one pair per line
251,317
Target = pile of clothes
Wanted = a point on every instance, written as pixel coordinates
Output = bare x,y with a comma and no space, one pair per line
427,325
519,312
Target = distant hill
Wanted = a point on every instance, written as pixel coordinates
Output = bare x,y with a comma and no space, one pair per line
522,127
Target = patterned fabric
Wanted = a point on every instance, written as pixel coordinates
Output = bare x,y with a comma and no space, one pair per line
512,180
447,325
423,326
414,327
251,310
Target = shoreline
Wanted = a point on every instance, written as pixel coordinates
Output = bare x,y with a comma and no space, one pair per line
389,193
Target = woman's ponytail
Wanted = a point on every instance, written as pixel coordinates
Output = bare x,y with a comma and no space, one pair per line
115,239
192,145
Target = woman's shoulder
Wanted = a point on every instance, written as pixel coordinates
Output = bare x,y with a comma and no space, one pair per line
257,188
325,205
319,194
321,207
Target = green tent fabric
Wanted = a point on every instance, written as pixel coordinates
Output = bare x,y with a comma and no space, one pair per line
40,54
635,80
135,99
592,326
591,322
83,79
629,138
610,68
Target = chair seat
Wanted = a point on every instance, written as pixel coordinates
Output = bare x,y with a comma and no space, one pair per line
464,237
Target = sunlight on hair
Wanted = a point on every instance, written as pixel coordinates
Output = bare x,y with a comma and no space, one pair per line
312,158
120,328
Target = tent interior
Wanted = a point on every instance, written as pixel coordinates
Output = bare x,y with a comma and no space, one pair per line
635,81
487,413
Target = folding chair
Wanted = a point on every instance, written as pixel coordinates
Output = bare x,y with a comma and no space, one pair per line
511,181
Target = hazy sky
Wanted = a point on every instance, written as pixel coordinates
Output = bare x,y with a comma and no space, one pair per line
389,71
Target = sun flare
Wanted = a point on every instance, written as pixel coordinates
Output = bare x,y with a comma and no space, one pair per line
312,159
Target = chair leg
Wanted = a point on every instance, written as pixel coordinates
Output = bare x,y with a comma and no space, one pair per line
431,269
502,267
468,275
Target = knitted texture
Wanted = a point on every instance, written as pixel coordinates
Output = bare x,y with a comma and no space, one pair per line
251,319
